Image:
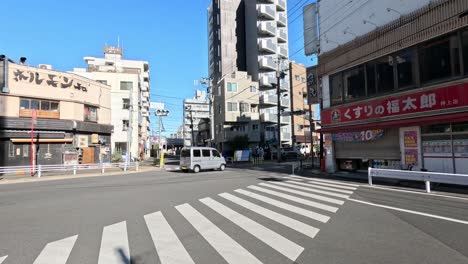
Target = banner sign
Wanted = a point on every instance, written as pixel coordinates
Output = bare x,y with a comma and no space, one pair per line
436,99
411,156
358,136
411,139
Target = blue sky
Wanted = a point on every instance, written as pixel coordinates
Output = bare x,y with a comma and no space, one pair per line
171,35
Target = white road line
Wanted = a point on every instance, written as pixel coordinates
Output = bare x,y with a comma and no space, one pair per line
311,190
320,187
3,258
56,252
326,181
170,249
415,192
310,195
289,207
231,251
281,244
324,184
295,199
114,244
300,227
411,212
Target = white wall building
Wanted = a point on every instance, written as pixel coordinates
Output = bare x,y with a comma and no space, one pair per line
195,109
129,80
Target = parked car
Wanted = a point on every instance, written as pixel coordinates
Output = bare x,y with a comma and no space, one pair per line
201,158
290,154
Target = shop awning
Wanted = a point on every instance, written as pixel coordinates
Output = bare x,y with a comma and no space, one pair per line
420,121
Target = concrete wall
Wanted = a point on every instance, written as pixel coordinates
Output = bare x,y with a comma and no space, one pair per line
337,16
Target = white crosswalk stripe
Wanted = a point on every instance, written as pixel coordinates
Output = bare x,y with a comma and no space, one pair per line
3,258
114,244
306,194
170,249
281,244
312,215
227,247
300,227
56,252
296,199
311,190
324,183
320,187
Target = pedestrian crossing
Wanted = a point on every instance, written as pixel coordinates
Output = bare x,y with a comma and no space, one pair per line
274,213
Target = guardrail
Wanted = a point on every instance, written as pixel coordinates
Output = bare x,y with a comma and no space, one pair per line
39,169
427,177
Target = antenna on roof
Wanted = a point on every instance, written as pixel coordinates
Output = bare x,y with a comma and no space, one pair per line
118,41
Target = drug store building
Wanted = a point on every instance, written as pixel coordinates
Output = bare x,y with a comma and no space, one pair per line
53,117
398,95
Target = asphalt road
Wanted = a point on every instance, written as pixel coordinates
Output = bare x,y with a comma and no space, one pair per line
260,217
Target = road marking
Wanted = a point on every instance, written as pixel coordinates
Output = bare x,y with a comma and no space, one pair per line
289,207
326,181
227,247
114,244
56,252
3,258
415,192
295,199
300,227
312,185
170,249
281,244
310,195
311,190
325,184
411,212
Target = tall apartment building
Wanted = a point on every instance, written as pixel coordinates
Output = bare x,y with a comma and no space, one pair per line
195,110
251,37
129,80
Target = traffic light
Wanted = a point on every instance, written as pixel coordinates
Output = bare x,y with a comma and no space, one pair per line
162,112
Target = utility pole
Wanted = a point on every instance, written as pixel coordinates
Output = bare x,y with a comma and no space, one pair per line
278,95
160,113
130,127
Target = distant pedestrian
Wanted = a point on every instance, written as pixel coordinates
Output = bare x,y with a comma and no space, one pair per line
261,155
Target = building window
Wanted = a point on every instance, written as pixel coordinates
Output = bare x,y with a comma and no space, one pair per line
26,150
385,80
255,127
354,83
120,147
90,113
215,153
464,36
253,109
439,59
41,105
371,79
125,103
232,107
232,87
303,79
196,153
102,81
297,77
11,150
25,104
405,68
336,88
244,107
125,125
299,128
253,89
126,86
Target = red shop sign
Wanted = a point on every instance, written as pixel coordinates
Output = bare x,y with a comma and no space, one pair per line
437,99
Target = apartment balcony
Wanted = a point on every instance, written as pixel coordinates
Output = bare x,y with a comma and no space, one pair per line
267,45
285,136
280,5
268,28
282,35
145,104
144,87
285,120
145,95
283,52
285,102
267,63
268,99
284,87
281,19
254,136
267,80
238,117
268,117
145,113
266,11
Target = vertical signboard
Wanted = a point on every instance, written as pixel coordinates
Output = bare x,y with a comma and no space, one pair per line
309,14
3,75
312,85
410,146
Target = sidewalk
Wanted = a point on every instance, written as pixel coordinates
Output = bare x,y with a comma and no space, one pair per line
57,175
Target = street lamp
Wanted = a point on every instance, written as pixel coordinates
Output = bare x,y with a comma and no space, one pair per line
160,113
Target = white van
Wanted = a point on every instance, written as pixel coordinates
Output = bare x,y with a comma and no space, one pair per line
201,158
